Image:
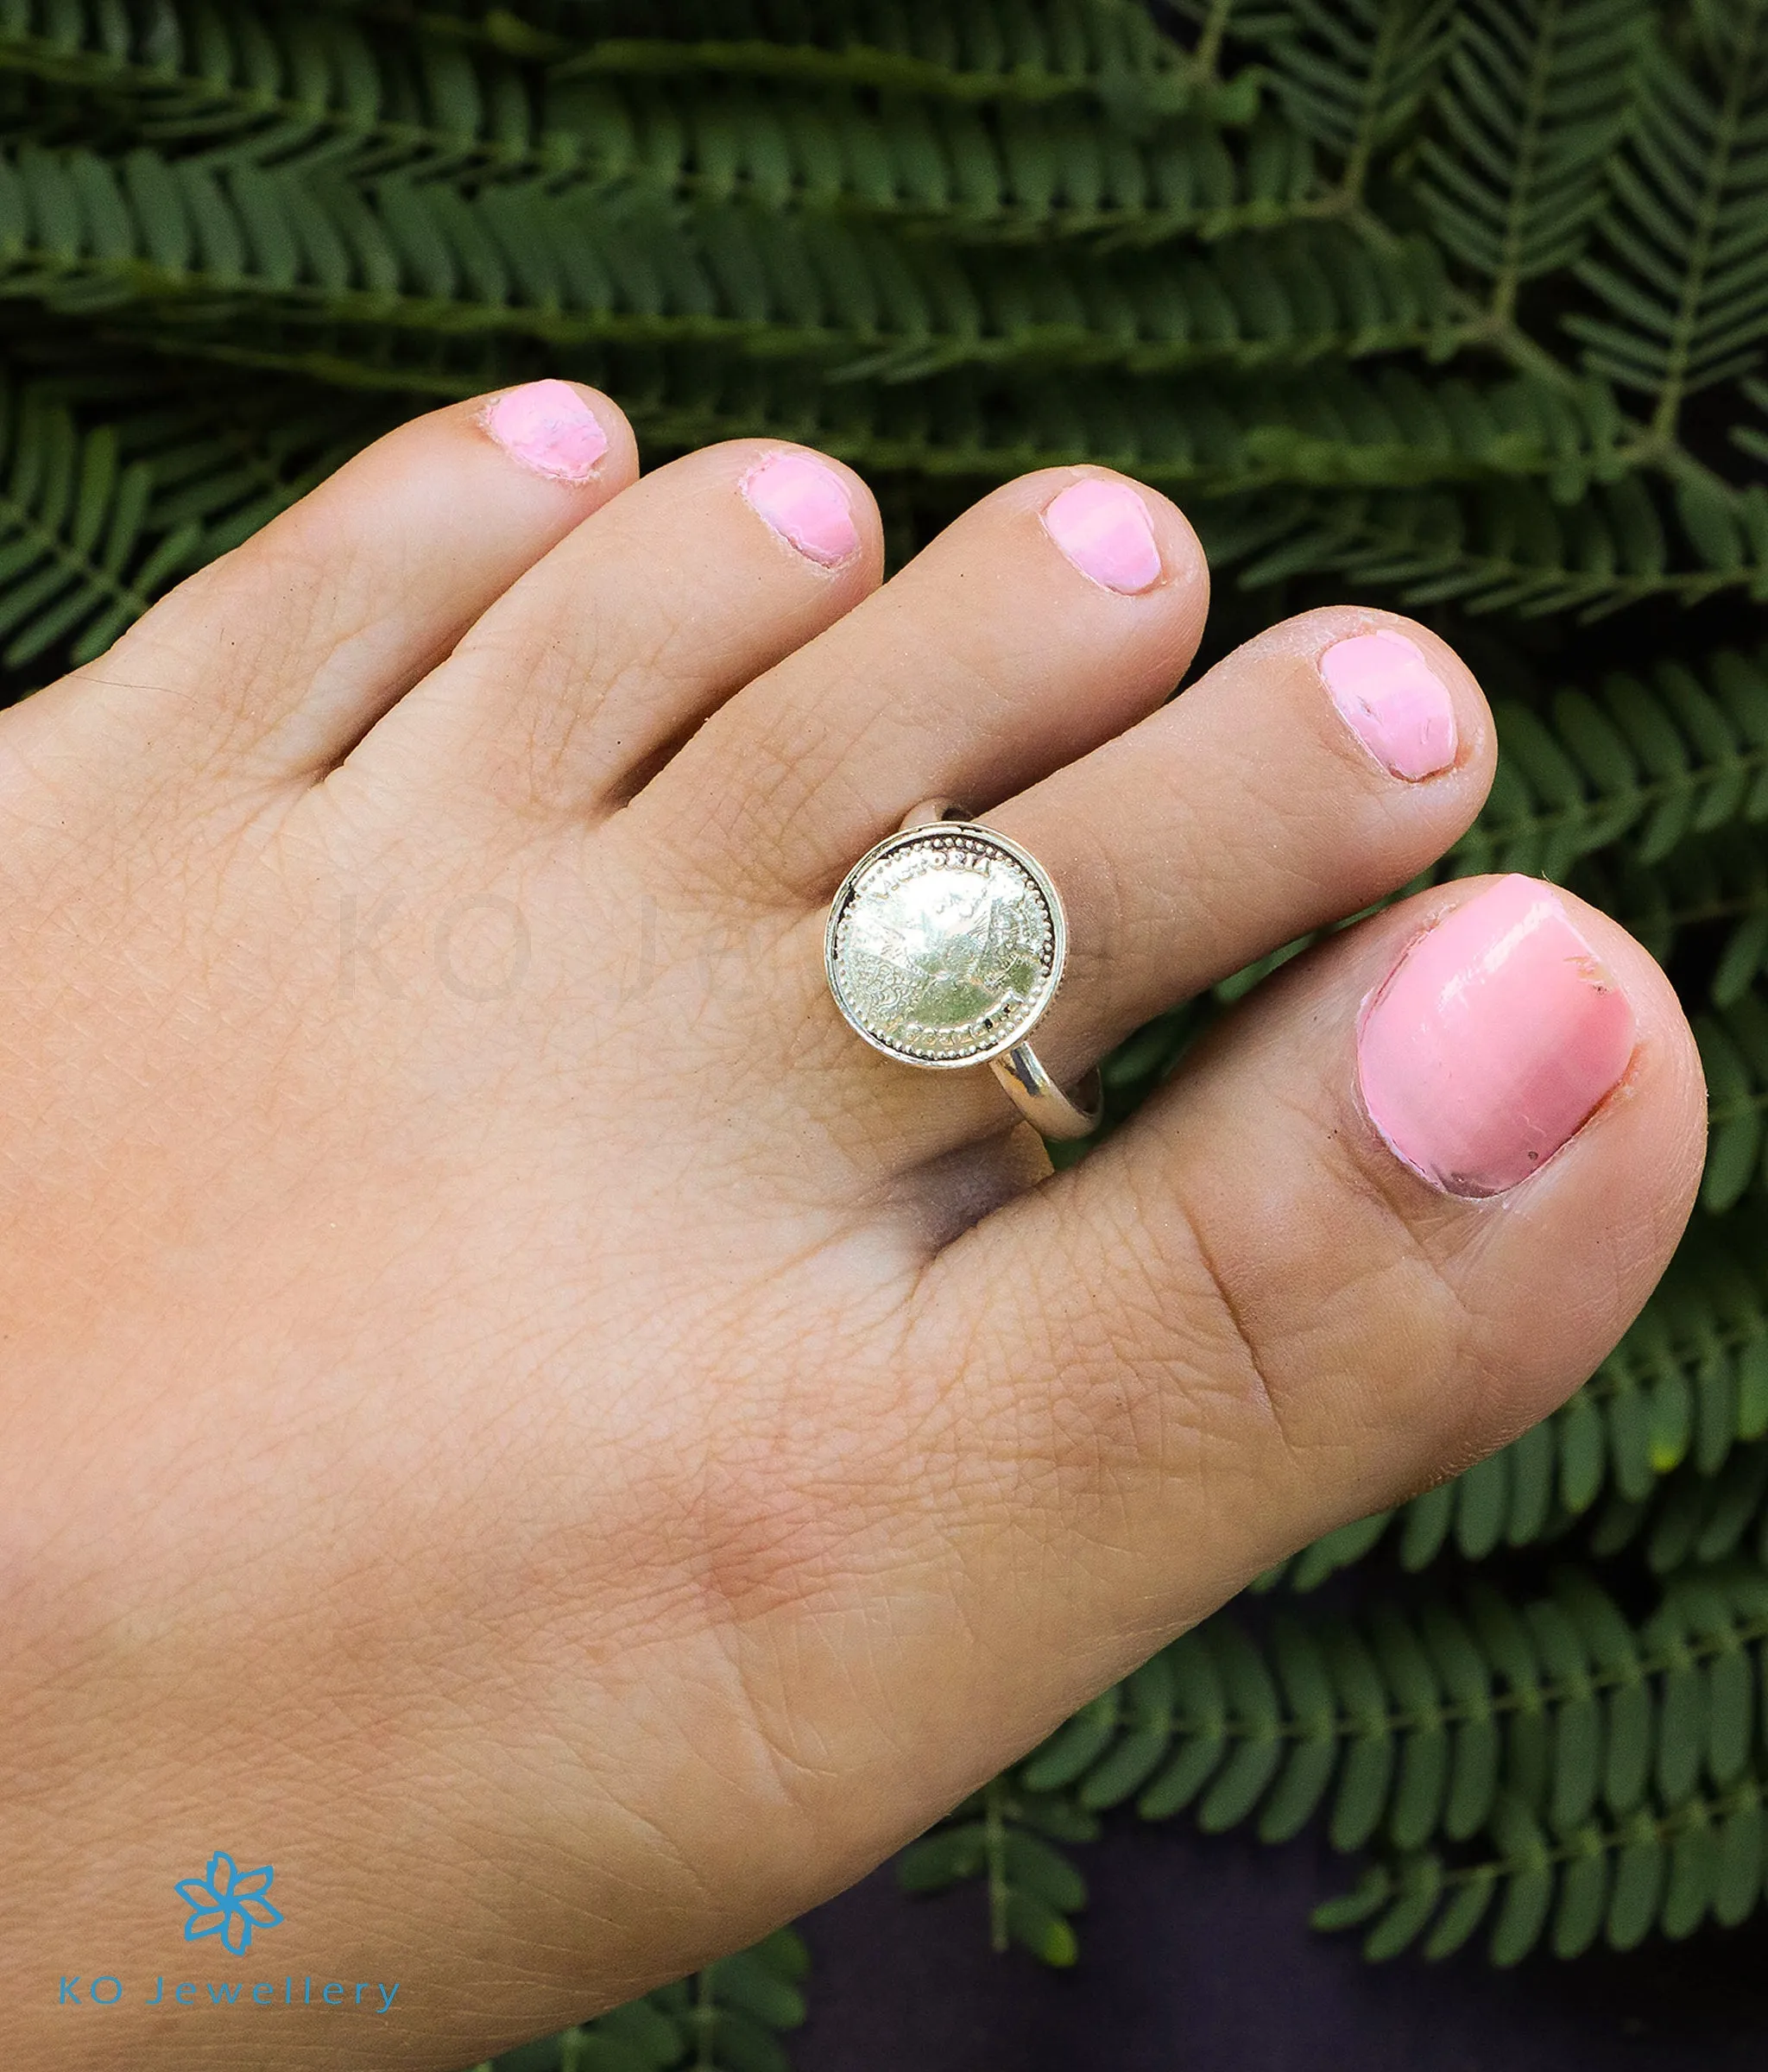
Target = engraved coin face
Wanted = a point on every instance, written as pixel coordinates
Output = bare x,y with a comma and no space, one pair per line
945,945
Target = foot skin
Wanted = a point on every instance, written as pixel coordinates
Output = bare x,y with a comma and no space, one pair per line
514,1414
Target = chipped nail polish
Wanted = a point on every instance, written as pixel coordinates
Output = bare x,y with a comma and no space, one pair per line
806,502
1393,701
548,427
1103,528
1493,1041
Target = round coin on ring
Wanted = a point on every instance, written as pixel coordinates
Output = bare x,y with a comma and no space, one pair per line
945,945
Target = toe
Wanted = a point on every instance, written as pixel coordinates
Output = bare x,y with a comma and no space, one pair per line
1314,771
304,634
1056,612
1389,1214
567,694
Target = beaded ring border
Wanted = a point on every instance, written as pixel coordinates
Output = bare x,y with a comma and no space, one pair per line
946,946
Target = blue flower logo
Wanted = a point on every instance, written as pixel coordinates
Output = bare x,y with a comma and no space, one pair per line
228,1902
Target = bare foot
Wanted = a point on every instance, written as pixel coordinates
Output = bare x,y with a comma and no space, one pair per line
520,1420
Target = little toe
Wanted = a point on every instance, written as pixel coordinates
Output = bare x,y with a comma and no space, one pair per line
325,617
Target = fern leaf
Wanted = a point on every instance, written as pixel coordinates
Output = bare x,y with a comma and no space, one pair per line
1351,73
229,87
1208,440
1683,283
729,2017
1005,1836
1424,1727
1510,548
101,509
1106,50
1693,1517
1733,1043
203,80
1713,882
81,232
1680,752
1537,94
81,553
1666,1871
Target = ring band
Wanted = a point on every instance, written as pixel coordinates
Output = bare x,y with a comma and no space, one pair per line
944,946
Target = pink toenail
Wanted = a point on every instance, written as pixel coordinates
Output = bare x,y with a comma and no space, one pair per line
548,426
806,502
1103,528
1493,1041
1393,701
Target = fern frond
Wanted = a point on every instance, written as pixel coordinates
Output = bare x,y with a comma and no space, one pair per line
1004,1834
200,79
1678,753
967,174
1399,1728
1714,882
194,66
1664,1870
1352,73
228,87
1733,1043
78,558
79,232
1207,441
729,2017
1535,97
1511,548
1690,1518
1109,51
1684,283
103,508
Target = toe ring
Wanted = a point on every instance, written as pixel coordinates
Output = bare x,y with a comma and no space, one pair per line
944,947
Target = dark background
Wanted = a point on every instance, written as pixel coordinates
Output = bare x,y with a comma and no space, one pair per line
1196,1952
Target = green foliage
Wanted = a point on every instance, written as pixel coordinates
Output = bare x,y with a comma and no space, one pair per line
1615,1880
1511,548
1537,94
1103,50
81,232
98,512
1459,308
1658,760
77,559
1498,1759
728,2018
1683,278
994,151
1005,1835
1352,73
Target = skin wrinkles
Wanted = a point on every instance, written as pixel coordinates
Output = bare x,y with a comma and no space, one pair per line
647,1454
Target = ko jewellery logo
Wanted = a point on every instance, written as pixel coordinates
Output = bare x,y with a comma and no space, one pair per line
228,1902
229,1905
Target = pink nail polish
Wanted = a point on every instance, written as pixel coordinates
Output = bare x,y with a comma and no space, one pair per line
1103,528
806,502
548,427
1491,1041
1393,701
